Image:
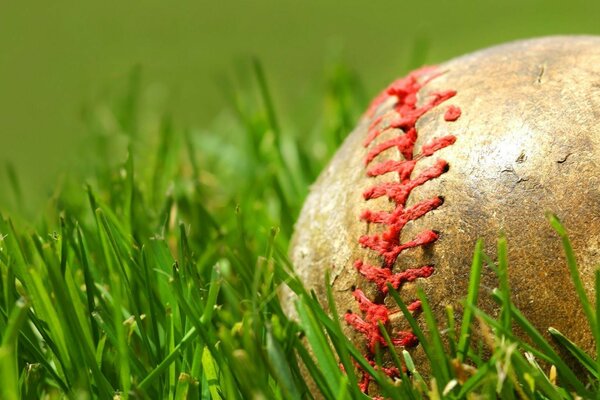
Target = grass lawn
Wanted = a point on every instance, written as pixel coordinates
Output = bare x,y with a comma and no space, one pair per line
155,268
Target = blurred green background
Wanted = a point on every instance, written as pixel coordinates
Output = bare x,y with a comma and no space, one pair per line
58,57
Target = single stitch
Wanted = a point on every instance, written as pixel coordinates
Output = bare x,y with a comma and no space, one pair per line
382,276
404,116
452,114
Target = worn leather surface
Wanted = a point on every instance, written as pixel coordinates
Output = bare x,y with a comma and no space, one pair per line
528,141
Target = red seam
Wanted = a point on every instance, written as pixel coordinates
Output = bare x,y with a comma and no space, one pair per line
386,244
452,114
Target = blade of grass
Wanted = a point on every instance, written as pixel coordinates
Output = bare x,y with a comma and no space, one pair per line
544,350
211,375
318,341
8,352
472,294
280,368
116,277
418,381
541,381
183,386
90,291
575,277
585,360
191,335
440,360
341,350
504,284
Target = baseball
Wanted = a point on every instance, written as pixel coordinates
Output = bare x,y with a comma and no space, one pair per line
482,144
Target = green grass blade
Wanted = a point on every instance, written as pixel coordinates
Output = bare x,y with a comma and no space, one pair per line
168,361
540,347
117,276
414,326
575,277
211,374
183,386
504,284
340,348
440,359
471,301
8,352
280,368
319,344
585,360
266,98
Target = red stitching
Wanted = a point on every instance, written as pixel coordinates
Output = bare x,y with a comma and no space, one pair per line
452,114
404,116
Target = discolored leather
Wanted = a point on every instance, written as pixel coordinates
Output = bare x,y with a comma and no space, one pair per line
527,142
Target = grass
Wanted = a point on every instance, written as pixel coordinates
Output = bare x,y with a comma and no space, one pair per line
159,277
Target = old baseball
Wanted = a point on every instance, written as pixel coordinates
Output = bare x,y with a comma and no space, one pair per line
482,144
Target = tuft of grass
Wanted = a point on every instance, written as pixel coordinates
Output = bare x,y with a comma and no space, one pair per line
156,268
